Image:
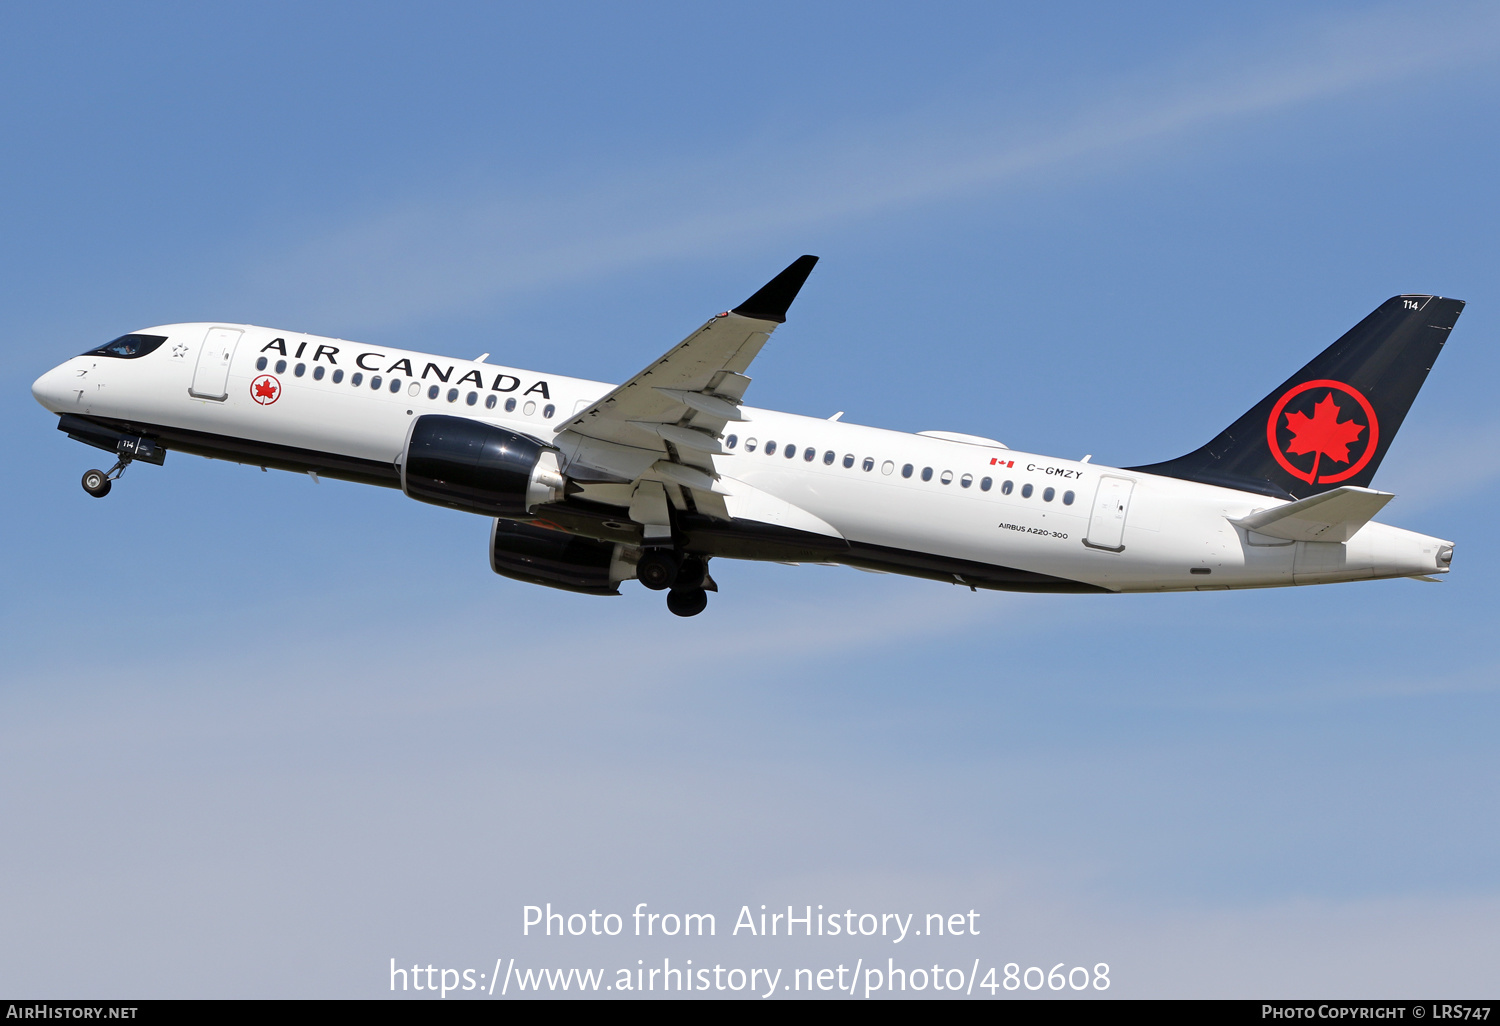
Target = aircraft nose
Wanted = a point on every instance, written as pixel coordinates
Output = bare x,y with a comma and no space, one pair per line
50,388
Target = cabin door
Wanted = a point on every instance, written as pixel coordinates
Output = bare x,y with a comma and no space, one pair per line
211,378
1107,521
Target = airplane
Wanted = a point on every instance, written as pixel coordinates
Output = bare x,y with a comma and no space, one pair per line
590,485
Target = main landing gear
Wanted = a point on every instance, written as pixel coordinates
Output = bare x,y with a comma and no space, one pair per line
684,578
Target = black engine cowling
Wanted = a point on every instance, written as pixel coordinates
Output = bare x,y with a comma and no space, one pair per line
541,555
477,467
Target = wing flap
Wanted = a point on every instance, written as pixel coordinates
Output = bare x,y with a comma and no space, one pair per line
693,438
724,409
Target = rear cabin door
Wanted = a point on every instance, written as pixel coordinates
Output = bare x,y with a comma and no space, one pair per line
1107,521
211,378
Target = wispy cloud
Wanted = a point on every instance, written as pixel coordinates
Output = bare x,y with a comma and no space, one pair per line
424,255
823,621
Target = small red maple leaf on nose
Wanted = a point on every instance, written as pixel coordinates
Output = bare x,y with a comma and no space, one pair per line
1322,434
265,390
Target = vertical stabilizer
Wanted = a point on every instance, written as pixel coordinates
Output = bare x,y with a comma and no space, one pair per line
1330,424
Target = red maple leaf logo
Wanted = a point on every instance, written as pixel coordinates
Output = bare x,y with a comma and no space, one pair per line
1322,434
265,390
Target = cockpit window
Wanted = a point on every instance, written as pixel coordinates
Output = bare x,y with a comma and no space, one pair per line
128,347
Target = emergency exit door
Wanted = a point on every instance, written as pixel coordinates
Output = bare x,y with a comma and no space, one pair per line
211,377
1107,520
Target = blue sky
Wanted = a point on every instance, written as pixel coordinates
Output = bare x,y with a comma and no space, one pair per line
259,735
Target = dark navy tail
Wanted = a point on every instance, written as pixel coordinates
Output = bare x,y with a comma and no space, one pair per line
1329,424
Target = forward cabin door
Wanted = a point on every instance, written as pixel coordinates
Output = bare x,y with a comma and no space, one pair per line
211,378
1107,521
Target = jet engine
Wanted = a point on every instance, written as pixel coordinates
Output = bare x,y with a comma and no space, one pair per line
478,468
542,555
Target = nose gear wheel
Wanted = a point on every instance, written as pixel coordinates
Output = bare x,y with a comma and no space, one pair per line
96,483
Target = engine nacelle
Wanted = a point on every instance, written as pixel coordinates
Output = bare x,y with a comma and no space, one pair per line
477,467
541,555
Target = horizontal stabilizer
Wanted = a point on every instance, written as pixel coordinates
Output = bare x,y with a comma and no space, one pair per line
1331,516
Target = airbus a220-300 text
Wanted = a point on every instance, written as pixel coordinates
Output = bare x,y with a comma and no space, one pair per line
589,485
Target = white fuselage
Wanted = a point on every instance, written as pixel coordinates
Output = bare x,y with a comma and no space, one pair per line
965,500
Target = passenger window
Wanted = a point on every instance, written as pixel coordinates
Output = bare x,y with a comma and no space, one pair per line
906,470
869,464
848,460
453,395
413,389
947,477
885,468
490,401
731,441
809,454
1048,494
1067,498
749,445
770,448
318,372
338,376
280,366
789,452
984,484
432,391
828,458
1026,490
356,379
548,411
966,480
1006,488
926,473
510,405
395,385
529,408
471,398
260,364
375,382
300,369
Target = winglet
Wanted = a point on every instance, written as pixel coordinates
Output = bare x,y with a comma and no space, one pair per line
772,301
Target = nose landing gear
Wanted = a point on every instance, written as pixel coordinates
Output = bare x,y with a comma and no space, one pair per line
128,449
96,483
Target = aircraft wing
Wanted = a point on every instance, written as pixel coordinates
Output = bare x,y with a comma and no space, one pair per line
680,404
